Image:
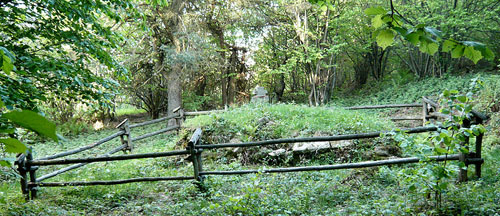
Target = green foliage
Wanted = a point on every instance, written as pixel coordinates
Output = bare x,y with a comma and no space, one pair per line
32,121
55,43
450,139
428,39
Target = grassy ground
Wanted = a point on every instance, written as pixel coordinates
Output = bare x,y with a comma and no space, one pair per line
370,191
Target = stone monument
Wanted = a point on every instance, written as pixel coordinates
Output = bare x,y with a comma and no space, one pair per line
260,95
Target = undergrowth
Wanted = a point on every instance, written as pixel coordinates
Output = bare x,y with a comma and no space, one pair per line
369,191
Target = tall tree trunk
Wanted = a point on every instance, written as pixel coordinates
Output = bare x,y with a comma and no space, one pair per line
174,83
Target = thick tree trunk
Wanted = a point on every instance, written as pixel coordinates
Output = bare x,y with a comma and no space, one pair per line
174,91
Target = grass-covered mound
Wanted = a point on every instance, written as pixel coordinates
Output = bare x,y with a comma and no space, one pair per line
255,122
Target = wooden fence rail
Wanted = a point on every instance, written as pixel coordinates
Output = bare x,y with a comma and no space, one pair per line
63,170
363,164
106,158
384,106
78,150
313,139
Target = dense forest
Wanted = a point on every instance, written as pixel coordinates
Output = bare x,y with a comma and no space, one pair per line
73,70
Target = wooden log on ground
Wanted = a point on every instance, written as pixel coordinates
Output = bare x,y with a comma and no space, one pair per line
154,133
113,182
52,174
334,167
202,112
107,158
155,121
406,119
74,151
313,139
383,106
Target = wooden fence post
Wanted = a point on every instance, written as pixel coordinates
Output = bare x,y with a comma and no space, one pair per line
479,143
21,168
180,119
425,112
194,157
462,157
125,137
32,171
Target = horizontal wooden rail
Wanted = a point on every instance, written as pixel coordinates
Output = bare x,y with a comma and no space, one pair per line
63,170
78,150
313,139
336,166
154,133
113,182
383,106
202,112
106,158
155,121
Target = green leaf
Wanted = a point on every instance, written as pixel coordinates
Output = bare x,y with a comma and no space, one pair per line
448,45
446,93
462,98
458,51
485,52
472,54
444,111
375,11
13,145
433,31
428,47
7,65
33,121
464,150
6,161
440,150
413,37
385,38
377,21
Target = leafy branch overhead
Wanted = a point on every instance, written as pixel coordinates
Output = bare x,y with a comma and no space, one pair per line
389,24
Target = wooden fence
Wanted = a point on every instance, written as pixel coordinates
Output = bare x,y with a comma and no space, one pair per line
27,165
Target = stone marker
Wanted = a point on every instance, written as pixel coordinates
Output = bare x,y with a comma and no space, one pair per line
260,95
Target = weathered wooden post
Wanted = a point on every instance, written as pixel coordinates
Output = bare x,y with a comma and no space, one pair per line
21,168
479,143
478,118
462,157
425,112
196,156
179,119
125,137
32,171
